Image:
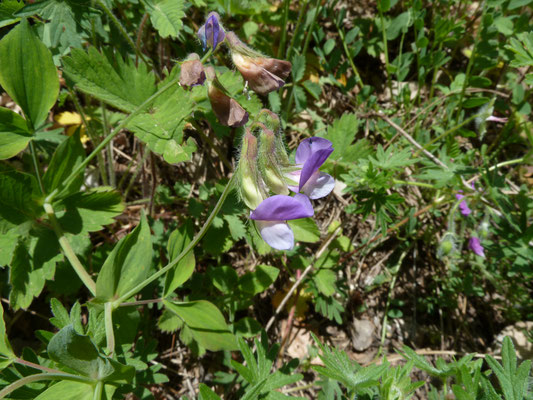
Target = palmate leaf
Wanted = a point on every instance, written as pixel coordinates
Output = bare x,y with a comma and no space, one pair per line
121,85
166,16
162,128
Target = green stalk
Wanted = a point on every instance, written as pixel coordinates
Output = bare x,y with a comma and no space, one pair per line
281,47
349,57
385,46
109,333
108,138
36,166
296,29
68,251
98,390
443,135
413,183
185,251
122,31
43,377
109,148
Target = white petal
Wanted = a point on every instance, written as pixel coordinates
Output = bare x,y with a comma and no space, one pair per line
319,185
277,234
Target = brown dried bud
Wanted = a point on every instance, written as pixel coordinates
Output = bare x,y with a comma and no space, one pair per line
228,111
263,74
192,71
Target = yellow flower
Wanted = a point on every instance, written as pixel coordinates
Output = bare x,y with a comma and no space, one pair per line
72,121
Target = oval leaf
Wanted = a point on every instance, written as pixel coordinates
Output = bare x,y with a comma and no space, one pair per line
14,135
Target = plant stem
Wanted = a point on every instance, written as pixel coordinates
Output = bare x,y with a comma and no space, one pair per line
109,333
43,377
296,29
36,166
385,46
508,162
413,183
68,251
98,390
207,55
122,31
349,57
109,148
108,138
281,47
36,366
185,251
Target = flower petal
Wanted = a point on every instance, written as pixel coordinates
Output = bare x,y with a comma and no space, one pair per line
313,152
319,185
474,244
283,208
277,234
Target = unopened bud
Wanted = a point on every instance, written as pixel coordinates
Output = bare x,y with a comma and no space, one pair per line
250,183
269,163
228,111
192,71
211,33
446,245
269,119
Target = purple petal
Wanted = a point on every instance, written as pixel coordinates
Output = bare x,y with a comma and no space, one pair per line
474,244
313,152
319,185
277,234
309,146
283,208
201,36
463,206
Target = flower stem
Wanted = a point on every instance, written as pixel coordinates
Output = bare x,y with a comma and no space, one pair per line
413,183
36,166
108,138
43,377
109,333
185,251
68,251
283,41
98,390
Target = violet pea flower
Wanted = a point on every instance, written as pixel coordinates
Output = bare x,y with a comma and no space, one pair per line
463,206
474,244
211,33
310,155
271,218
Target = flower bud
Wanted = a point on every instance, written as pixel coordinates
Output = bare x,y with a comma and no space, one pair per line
251,187
263,74
269,119
228,111
446,245
269,163
211,33
192,71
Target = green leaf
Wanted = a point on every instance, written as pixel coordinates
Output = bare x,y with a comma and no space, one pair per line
14,134
206,323
342,134
179,239
206,393
6,353
247,327
69,390
513,4
298,67
65,19
325,281
66,158
166,16
259,280
121,85
127,265
7,9
236,226
90,211
474,102
224,278
8,243
79,353
305,230
61,317
169,322
17,196
162,128
27,73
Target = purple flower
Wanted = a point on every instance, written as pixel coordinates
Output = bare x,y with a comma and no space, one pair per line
463,206
211,33
310,156
474,244
271,215
192,71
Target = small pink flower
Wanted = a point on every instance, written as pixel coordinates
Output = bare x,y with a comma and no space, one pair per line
474,244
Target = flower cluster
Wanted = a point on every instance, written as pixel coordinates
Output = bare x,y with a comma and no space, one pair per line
262,74
267,178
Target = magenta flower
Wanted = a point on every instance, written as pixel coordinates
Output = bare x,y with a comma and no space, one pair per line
474,244
310,156
463,206
211,33
271,218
